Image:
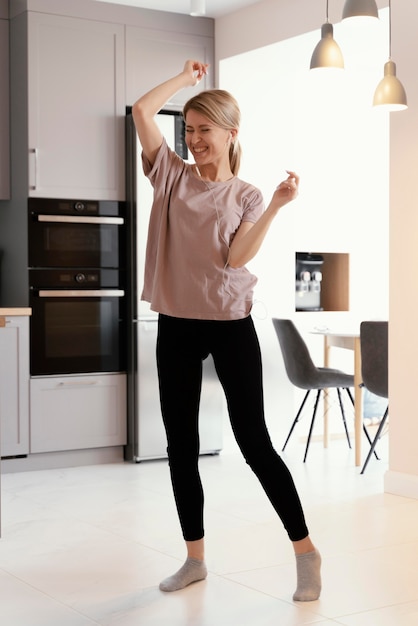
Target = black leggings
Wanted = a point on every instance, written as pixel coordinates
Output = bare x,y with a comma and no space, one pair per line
182,345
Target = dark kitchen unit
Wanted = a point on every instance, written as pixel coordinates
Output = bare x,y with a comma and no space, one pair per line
77,286
146,436
77,292
78,321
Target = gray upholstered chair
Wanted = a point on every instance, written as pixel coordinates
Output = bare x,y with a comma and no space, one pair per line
374,369
303,373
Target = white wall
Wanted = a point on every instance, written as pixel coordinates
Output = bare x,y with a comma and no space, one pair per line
272,21
296,119
324,127
403,340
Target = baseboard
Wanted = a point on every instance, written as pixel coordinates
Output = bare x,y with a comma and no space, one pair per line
401,484
56,460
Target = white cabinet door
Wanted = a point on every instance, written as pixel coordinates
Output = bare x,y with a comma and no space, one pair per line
14,385
76,108
154,56
77,412
4,111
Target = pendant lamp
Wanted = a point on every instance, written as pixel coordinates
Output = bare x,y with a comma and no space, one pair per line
390,94
360,8
327,52
197,7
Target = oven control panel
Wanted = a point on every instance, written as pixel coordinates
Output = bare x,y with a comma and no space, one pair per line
67,278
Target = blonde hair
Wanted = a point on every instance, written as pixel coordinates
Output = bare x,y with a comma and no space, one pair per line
221,108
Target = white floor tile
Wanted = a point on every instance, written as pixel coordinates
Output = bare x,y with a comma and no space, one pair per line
22,605
89,545
399,615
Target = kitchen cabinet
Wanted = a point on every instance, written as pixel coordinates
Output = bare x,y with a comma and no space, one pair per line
68,93
14,385
70,74
153,56
69,62
4,109
77,412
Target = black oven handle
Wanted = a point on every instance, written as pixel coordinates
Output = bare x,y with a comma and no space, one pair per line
78,219
81,293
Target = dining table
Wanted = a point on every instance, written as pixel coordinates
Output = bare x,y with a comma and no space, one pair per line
347,340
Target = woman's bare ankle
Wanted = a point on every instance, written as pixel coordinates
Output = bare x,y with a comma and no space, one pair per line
303,546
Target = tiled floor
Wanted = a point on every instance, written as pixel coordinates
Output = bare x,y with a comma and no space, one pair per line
89,545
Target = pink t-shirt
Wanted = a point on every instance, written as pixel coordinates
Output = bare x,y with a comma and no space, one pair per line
191,226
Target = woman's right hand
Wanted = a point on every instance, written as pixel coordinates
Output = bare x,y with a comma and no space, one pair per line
195,70
145,108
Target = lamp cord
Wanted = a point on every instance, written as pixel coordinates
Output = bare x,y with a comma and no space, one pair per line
390,31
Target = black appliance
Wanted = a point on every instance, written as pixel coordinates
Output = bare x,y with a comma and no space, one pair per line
68,233
308,281
77,275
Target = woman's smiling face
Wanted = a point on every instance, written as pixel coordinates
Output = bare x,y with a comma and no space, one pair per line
207,142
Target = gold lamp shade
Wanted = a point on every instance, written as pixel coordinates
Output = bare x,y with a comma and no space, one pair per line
327,52
390,93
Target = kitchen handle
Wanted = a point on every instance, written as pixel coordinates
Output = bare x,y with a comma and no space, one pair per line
81,293
147,325
79,383
35,152
79,219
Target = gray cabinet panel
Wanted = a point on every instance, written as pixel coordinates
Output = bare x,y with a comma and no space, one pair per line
14,386
154,56
77,412
76,108
4,112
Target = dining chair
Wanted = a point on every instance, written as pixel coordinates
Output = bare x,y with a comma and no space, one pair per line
374,369
304,374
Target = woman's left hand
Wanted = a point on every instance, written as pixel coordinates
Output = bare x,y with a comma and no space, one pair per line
288,189
249,237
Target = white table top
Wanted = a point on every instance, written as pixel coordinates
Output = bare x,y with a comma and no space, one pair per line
335,332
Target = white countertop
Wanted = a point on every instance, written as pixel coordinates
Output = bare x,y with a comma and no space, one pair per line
6,312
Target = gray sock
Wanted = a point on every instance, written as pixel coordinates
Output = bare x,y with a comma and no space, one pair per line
192,571
308,567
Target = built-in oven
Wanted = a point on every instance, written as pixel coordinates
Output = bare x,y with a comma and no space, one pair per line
77,269
75,233
78,321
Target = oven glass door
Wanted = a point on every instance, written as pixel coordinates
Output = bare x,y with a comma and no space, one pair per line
72,241
76,331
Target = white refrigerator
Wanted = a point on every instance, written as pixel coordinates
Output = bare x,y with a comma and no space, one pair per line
146,436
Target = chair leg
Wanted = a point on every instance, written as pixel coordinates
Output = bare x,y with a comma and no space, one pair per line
366,432
295,421
312,424
343,416
350,395
375,440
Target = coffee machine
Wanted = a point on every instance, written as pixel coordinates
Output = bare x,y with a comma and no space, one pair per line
308,281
